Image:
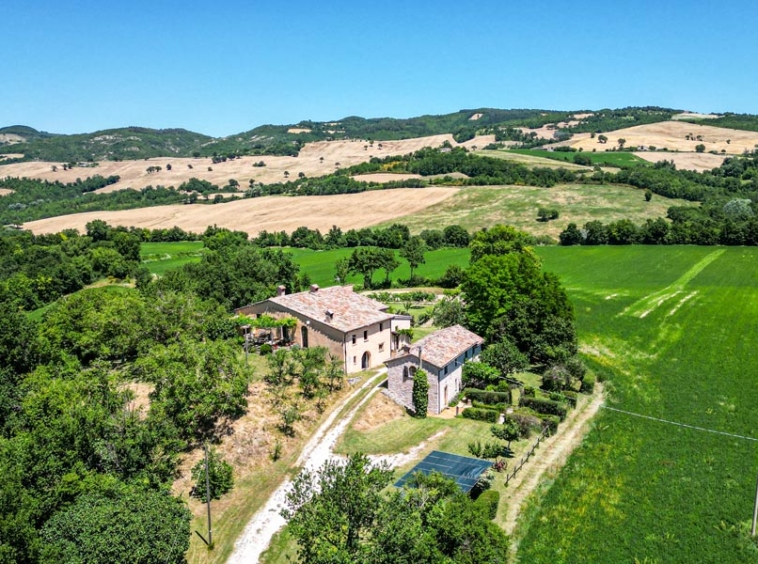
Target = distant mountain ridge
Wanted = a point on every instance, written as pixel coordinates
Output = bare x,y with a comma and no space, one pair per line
133,142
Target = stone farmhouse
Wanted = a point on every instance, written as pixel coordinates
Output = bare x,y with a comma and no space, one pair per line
441,354
356,329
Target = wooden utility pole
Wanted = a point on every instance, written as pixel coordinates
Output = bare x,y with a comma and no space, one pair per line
209,541
755,512
208,498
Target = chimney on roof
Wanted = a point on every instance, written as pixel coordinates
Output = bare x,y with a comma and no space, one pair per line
314,288
281,290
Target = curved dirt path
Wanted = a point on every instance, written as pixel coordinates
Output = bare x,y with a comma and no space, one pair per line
259,531
551,455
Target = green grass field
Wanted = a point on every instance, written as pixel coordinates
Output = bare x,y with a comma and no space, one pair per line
162,257
158,249
673,329
320,264
600,158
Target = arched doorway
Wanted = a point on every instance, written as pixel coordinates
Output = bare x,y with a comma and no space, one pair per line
304,336
365,360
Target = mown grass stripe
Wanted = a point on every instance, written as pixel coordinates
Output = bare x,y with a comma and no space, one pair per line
647,304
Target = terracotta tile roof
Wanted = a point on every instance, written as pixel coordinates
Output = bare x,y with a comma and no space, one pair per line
444,345
349,310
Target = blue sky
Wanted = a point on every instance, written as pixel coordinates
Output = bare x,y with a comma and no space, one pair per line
224,67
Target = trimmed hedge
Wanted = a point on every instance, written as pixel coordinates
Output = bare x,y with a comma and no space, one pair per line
571,398
484,396
499,406
477,414
552,422
588,383
489,501
547,407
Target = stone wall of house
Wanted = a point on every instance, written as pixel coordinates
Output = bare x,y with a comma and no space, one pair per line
401,388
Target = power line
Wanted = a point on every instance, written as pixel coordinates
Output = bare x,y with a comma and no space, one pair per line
696,428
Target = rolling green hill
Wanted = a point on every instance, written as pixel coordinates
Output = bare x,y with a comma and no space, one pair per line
140,142
111,144
28,133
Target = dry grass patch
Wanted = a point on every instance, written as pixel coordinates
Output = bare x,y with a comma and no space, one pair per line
532,161
693,115
672,135
384,177
140,403
685,161
378,411
477,207
5,191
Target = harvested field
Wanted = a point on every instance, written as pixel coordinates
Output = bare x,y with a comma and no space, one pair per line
672,136
384,177
480,141
5,191
316,159
272,213
685,161
693,115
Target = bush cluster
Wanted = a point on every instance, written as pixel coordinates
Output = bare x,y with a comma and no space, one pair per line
489,501
548,407
588,383
478,414
486,397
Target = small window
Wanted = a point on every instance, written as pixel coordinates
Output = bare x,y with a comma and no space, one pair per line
353,339
381,347
406,374
365,335
446,370
381,326
355,360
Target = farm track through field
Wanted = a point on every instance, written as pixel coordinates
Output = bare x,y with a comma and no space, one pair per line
641,308
550,457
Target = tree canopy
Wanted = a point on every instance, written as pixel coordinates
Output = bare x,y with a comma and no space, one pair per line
339,514
508,297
